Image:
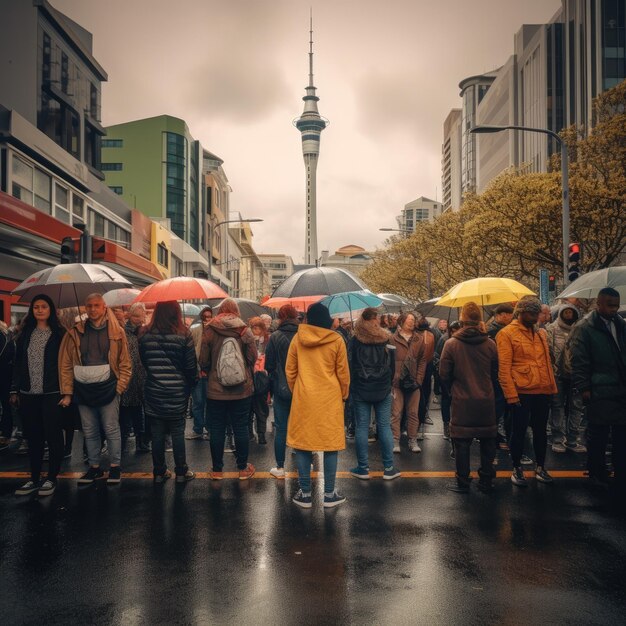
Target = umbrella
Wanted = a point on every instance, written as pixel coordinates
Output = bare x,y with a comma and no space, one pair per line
318,280
190,310
70,283
350,302
484,291
120,297
588,285
247,308
394,303
301,303
181,288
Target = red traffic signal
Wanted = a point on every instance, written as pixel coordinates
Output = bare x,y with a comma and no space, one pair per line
573,258
552,283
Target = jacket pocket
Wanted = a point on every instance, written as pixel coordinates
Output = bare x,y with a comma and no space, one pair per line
522,376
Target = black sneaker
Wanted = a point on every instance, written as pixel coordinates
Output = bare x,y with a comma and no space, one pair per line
46,488
457,488
115,475
542,475
350,433
518,478
27,488
90,476
333,499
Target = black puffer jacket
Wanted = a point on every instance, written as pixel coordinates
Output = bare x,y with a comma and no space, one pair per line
276,357
171,371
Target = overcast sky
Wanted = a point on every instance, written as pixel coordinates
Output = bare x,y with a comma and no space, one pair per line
387,75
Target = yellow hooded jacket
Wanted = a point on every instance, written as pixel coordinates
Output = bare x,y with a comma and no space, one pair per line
319,377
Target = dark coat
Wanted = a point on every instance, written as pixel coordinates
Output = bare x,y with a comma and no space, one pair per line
600,367
21,376
7,355
133,396
469,369
276,357
372,362
171,370
413,352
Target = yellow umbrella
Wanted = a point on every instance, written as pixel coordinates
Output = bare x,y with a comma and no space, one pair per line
484,292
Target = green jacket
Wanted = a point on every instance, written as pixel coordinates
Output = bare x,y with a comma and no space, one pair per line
599,366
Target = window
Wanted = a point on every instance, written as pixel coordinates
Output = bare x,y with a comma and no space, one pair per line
98,225
112,143
42,191
93,143
163,256
65,73
123,237
61,207
22,188
111,231
112,167
117,189
78,207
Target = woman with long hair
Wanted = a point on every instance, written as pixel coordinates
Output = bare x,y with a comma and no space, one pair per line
260,409
169,358
227,355
35,390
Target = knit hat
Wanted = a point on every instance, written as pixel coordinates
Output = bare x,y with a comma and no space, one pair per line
528,305
317,315
470,313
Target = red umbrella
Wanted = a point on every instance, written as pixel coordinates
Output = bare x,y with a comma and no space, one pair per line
300,303
181,288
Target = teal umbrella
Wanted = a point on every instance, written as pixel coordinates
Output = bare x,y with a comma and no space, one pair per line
350,303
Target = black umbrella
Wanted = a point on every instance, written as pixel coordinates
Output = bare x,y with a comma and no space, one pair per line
318,281
394,303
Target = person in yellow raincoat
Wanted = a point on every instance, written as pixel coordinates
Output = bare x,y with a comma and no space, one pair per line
319,377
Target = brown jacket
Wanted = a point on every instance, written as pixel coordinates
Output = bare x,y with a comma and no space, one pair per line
416,349
525,365
213,337
469,369
119,357
429,344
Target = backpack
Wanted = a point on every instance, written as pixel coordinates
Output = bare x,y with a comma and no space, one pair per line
231,367
373,370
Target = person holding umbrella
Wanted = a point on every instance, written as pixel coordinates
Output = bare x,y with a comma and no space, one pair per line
95,368
35,390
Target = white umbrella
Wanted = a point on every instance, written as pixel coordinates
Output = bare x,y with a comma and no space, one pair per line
69,284
120,297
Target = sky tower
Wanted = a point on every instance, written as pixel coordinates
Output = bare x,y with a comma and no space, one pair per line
310,124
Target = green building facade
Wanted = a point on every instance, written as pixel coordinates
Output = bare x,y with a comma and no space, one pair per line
156,166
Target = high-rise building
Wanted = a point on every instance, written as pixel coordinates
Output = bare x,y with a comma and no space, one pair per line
278,267
310,124
451,161
549,82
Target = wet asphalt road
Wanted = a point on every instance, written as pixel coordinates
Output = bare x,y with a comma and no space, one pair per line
398,552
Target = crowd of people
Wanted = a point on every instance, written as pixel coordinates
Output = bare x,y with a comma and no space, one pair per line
326,381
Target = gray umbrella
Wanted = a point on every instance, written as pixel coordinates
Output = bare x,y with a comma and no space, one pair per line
588,285
247,308
394,303
69,284
318,281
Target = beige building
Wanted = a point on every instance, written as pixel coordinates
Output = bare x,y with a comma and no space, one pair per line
420,210
352,258
278,267
451,161
248,276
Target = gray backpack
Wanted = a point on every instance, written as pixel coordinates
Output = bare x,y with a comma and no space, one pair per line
231,367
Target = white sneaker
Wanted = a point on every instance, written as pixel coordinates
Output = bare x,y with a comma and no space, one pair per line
413,447
46,488
278,472
396,445
27,488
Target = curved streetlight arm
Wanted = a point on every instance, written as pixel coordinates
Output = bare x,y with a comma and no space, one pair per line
485,129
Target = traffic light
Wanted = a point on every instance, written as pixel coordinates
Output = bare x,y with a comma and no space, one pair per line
68,251
552,283
573,262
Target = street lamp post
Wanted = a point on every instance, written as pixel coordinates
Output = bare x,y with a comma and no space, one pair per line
214,229
564,177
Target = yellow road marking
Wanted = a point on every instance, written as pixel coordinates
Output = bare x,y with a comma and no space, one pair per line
235,475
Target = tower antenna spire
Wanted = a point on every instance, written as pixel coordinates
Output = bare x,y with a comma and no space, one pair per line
311,50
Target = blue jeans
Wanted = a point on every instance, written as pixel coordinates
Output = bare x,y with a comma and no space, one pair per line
382,411
235,413
92,417
303,461
281,416
199,405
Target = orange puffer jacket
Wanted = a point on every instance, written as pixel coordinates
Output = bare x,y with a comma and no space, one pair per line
524,362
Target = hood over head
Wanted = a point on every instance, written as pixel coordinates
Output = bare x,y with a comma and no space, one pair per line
563,308
311,336
227,324
471,335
